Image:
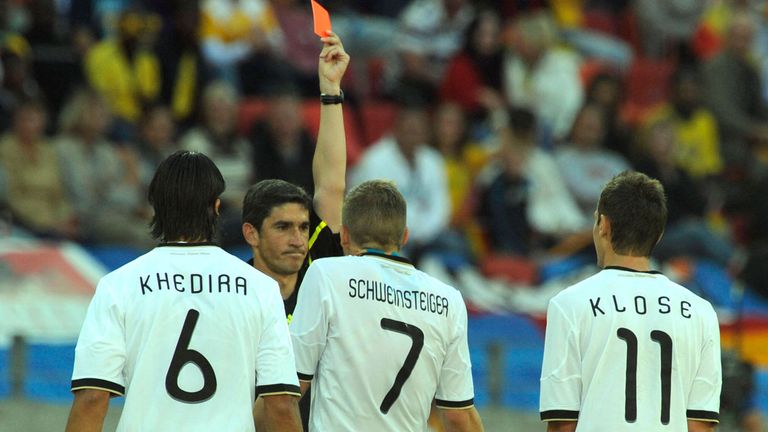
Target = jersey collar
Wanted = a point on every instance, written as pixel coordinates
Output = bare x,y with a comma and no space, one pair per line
186,244
631,270
380,253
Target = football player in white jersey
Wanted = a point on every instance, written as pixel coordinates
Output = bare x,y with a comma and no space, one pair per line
187,330
378,339
627,349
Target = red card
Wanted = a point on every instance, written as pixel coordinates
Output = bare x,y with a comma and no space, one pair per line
321,18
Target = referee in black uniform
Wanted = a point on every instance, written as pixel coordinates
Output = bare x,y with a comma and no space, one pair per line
285,227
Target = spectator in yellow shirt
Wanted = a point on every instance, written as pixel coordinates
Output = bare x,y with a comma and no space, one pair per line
124,69
698,145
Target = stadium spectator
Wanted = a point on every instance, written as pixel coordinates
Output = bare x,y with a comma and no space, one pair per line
524,205
53,59
540,76
18,84
183,70
218,138
406,158
101,180
236,31
430,33
687,233
584,164
666,26
35,187
697,148
300,66
473,78
463,160
157,140
282,146
606,90
124,69
734,94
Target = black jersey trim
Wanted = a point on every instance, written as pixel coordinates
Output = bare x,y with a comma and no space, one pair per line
631,270
304,377
701,415
273,389
99,384
454,404
559,415
398,258
186,244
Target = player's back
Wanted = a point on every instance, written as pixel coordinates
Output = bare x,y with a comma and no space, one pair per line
392,331
192,319
643,348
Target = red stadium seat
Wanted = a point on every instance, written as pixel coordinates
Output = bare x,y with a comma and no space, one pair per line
251,109
378,118
647,85
311,115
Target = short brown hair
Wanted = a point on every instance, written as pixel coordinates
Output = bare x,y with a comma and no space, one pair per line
374,213
636,206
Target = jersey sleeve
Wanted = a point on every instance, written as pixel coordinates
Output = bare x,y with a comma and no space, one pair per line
100,353
309,327
455,389
704,397
275,370
560,397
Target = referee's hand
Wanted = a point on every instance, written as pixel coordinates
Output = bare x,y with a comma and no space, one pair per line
332,65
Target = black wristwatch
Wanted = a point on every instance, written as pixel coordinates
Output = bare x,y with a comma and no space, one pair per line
332,99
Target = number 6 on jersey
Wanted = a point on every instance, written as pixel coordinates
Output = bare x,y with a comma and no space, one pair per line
183,355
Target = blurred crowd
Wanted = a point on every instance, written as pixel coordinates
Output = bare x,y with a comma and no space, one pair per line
499,121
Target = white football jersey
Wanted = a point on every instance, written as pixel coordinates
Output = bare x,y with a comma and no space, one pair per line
380,340
186,332
630,351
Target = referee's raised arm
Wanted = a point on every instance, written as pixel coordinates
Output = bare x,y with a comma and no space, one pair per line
330,160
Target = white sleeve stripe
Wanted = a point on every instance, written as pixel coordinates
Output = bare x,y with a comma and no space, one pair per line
98,384
291,393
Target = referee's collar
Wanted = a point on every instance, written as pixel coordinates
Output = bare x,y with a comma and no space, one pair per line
632,270
394,256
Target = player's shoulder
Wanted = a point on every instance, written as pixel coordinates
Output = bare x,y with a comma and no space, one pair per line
131,267
578,289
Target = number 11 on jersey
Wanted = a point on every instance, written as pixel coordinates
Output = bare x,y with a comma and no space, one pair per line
665,346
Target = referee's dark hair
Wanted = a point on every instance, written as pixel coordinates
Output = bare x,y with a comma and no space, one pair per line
183,193
637,208
265,195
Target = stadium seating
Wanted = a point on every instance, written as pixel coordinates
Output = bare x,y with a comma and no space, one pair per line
506,353
48,371
5,370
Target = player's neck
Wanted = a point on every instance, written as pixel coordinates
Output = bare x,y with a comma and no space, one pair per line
376,249
638,263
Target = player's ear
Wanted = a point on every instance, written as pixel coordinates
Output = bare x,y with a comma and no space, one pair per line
405,237
251,234
603,225
217,206
344,235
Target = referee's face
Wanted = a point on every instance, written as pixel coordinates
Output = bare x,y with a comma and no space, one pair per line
281,245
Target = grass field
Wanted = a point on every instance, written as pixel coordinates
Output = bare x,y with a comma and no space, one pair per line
21,415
